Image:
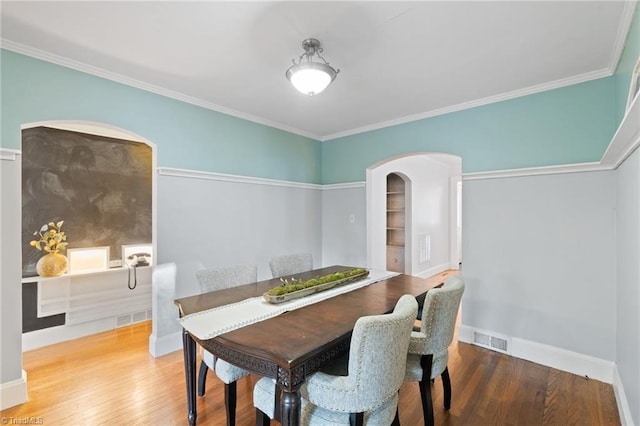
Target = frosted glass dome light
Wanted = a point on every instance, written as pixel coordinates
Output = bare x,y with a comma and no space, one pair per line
311,77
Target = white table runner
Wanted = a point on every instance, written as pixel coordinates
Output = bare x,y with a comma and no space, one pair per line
213,322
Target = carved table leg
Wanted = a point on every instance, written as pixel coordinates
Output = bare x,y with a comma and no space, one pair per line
189,350
291,405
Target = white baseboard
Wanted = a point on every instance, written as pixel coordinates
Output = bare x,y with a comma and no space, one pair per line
14,392
432,271
621,399
165,344
551,356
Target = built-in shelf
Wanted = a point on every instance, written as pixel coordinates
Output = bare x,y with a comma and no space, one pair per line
395,222
93,295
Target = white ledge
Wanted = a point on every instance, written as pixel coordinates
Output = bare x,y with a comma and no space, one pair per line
38,278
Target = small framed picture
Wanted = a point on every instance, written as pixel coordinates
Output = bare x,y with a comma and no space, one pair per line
88,259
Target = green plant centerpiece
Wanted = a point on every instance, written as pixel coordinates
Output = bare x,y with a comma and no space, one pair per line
293,288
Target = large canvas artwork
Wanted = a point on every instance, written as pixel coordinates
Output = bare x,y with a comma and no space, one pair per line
101,187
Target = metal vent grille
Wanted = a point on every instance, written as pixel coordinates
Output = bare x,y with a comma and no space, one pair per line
139,316
491,342
123,320
481,339
498,343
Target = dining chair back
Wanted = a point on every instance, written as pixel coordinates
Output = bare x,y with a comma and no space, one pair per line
428,348
282,266
368,393
226,277
218,279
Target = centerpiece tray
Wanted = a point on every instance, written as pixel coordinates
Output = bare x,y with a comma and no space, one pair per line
298,289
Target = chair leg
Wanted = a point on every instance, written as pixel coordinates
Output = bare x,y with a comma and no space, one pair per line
202,378
356,419
396,419
262,419
230,402
446,384
425,389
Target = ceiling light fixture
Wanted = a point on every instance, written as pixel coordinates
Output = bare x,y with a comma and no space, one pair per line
311,77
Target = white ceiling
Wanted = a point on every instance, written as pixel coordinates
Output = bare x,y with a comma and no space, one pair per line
398,61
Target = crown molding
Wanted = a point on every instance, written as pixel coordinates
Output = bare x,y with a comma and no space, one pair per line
621,36
119,78
616,54
99,72
9,154
581,78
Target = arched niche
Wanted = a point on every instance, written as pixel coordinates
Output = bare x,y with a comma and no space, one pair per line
101,159
432,207
100,175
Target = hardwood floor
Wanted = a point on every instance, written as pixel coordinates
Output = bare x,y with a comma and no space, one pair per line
110,378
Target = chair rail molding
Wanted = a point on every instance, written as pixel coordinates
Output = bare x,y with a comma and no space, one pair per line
9,154
624,142
223,177
626,139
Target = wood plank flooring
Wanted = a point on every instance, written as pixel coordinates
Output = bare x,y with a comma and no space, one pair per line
110,378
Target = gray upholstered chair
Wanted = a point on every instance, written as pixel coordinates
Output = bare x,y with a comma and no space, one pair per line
212,280
282,266
368,394
428,348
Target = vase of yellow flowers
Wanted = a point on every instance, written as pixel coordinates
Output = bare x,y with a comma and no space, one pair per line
52,240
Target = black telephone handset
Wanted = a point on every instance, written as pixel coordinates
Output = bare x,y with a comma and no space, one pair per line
134,261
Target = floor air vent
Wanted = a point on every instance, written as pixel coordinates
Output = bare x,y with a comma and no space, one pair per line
127,319
123,320
491,342
139,316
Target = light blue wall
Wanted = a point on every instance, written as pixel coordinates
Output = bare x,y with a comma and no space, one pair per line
187,136
568,125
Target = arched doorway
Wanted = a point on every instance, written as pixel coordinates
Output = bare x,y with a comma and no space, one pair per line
432,223
101,181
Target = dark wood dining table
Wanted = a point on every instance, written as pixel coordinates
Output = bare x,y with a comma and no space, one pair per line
295,344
